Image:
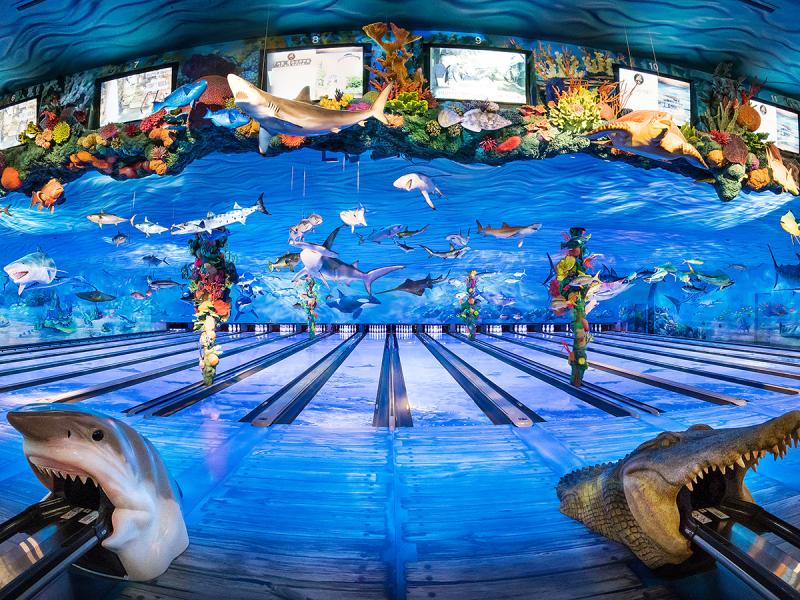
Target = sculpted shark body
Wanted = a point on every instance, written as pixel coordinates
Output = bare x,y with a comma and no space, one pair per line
639,500
297,117
67,445
36,268
212,221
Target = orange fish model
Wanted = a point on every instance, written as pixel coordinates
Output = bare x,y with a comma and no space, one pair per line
51,194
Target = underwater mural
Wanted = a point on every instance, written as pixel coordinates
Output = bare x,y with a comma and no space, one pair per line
383,205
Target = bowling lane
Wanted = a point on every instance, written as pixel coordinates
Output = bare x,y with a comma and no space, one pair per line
348,398
663,399
235,402
435,397
151,388
547,401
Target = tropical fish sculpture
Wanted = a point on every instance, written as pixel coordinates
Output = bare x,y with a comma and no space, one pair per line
49,196
651,134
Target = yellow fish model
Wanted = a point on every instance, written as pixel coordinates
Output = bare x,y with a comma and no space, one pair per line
791,226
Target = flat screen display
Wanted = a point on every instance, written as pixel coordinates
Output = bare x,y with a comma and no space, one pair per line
478,74
13,121
780,124
324,70
640,90
131,97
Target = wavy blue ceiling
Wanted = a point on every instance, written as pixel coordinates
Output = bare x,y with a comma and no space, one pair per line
50,38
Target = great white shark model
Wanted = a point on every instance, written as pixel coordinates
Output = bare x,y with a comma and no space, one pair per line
70,446
297,117
212,221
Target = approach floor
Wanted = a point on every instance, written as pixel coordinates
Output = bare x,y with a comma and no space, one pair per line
318,503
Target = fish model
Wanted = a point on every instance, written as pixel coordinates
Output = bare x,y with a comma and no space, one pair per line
298,117
417,286
119,239
140,296
333,269
405,247
311,256
417,181
787,275
212,221
352,305
298,231
95,296
161,284
407,233
718,279
74,451
790,225
458,239
450,254
229,118
287,261
381,235
153,260
353,217
635,501
507,231
49,196
36,268
148,228
104,218
651,134
476,119
780,174
244,304
184,96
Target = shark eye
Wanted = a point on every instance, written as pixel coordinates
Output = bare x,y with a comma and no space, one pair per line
97,435
69,433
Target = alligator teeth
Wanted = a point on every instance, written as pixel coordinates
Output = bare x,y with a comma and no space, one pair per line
689,487
82,478
754,467
762,454
775,449
705,470
722,469
740,462
747,455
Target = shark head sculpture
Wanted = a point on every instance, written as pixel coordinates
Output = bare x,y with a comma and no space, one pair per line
79,453
642,499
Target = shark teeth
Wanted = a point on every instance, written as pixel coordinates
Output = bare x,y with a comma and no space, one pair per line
54,474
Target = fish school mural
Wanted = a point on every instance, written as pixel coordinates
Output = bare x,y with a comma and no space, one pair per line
397,201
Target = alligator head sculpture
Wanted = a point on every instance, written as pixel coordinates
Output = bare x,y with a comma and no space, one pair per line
641,500
89,456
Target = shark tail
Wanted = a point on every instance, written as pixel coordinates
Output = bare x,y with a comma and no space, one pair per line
775,264
271,266
260,204
552,272
380,105
132,218
676,302
371,276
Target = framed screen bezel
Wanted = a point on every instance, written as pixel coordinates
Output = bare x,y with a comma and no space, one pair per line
98,85
691,82
36,98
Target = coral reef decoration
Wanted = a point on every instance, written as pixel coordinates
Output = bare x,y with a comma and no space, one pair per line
211,276
470,311
394,70
571,290
308,300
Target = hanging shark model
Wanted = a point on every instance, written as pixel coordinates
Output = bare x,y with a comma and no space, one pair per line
507,231
75,451
297,117
212,221
36,268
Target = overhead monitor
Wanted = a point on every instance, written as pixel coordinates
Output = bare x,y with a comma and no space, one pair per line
14,118
325,70
780,124
457,73
130,97
645,90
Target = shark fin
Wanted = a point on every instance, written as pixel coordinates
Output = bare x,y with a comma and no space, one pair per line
304,95
355,264
335,129
505,225
371,276
428,199
21,289
380,104
263,141
236,206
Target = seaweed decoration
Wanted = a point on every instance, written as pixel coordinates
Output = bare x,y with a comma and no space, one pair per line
308,300
394,70
560,65
571,289
470,305
210,276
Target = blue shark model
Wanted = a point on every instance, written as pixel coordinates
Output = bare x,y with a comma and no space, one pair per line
183,96
787,275
230,118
